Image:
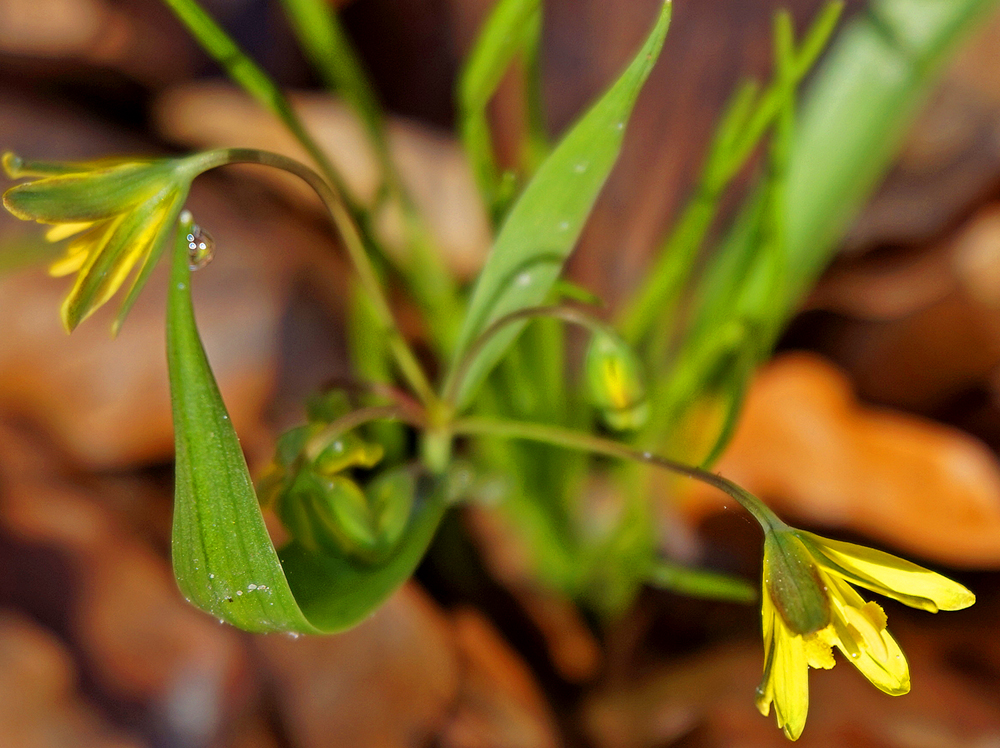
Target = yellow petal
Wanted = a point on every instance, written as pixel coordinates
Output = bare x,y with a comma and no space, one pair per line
82,249
889,575
65,230
862,637
130,238
790,676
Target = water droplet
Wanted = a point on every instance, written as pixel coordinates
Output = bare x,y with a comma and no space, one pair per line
292,635
338,446
185,216
239,592
647,455
180,286
211,576
251,587
221,621
524,279
580,168
564,226
619,125
201,248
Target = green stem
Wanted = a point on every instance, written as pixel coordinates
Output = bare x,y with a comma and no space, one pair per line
344,223
351,421
575,316
583,442
214,40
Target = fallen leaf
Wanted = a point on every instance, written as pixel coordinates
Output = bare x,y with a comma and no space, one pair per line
389,682
41,706
814,453
499,703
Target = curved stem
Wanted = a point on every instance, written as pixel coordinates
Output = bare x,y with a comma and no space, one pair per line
354,419
584,442
566,313
344,223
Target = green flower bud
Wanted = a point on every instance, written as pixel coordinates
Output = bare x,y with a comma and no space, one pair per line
615,383
347,451
332,514
793,583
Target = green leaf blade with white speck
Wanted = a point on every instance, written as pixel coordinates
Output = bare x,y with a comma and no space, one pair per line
223,557
543,226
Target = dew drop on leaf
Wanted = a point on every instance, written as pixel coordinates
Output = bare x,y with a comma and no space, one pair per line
201,248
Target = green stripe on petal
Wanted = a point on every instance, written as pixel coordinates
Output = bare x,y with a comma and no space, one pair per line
888,575
88,196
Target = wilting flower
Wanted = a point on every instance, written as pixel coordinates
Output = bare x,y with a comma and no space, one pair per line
809,606
115,213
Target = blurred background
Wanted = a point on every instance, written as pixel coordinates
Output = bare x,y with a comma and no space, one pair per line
878,420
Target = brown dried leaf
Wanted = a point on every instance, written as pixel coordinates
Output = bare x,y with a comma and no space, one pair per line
389,682
807,447
40,707
142,641
499,704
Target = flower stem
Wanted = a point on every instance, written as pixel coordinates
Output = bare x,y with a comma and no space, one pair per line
453,384
584,442
344,223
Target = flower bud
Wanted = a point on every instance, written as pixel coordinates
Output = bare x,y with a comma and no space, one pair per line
794,584
615,382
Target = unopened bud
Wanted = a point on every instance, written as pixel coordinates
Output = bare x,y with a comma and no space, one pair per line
615,383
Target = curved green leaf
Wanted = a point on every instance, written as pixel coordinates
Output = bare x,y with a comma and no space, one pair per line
223,558
545,223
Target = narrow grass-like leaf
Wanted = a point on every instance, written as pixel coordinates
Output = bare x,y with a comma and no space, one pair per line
746,121
545,223
330,50
510,26
851,126
699,583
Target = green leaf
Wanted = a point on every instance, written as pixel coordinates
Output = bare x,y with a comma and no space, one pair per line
545,223
511,25
711,585
223,558
330,50
852,124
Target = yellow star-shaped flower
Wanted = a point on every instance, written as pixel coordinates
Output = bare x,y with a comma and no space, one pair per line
118,213
809,607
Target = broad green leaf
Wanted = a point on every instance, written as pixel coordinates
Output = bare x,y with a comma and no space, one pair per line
543,226
223,558
220,544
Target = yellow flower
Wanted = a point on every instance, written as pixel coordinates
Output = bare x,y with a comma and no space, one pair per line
809,607
118,213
